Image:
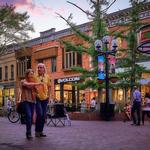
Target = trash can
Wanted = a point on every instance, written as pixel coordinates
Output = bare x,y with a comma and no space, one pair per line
107,112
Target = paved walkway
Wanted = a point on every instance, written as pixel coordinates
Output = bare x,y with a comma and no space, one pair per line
82,135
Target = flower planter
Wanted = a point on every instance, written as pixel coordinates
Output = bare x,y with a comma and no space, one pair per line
114,79
100,81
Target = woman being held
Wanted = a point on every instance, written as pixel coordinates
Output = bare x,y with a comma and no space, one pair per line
146,107
28,99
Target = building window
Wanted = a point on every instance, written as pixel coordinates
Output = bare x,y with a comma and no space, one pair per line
23,63
0,73
6,73
72,59
12,72
53,64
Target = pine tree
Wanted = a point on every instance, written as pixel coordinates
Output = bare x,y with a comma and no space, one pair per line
132,70
99,29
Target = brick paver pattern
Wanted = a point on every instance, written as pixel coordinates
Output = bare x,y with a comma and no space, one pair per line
82,135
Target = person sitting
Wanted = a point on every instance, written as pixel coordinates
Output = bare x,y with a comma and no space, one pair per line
127,111
146,107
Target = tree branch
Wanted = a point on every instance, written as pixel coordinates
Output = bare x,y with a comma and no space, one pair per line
86,12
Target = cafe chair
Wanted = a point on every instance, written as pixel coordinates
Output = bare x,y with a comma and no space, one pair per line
59,116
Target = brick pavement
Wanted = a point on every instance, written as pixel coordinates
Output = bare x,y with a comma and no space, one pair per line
82,135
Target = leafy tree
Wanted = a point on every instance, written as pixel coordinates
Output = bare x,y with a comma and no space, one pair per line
132,70
14,27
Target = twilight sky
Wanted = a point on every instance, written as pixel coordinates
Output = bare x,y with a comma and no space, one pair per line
43,17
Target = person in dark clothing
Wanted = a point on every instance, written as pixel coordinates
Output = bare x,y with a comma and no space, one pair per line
136,107
146,107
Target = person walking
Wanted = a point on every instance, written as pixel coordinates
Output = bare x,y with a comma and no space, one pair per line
136,107
42,98
28,99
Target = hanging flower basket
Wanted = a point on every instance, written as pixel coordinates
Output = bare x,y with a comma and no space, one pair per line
100,81
114,79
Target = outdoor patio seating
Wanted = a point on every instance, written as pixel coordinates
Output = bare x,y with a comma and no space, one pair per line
59,116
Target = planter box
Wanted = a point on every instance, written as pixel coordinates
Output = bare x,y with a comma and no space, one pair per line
84,116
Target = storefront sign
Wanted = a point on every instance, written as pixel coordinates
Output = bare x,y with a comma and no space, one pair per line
144,39
69,79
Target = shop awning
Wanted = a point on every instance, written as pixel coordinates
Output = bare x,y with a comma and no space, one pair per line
144,81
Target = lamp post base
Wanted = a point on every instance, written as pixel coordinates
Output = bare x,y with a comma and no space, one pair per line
107,111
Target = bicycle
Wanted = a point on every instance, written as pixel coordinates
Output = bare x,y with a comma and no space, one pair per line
13,116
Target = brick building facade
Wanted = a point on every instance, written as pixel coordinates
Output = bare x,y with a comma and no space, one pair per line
48,49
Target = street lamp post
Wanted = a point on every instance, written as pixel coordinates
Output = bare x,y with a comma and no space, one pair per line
101,46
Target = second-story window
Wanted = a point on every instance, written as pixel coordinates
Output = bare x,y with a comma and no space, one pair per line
23,63
72,59
0,73
6,73
53,64
12,72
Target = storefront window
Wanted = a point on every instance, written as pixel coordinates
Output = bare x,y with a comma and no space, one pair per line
57,95
67,96
57,87
120,95
11,92
67,87
6,92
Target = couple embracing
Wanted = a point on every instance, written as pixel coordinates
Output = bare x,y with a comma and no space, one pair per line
35,93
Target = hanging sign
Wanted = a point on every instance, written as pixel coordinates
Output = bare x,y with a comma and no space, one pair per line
101,74
144,39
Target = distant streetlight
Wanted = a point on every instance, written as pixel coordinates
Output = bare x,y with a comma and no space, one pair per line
101,46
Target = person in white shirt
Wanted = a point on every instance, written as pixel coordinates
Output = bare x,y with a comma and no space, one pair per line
9,103
93,104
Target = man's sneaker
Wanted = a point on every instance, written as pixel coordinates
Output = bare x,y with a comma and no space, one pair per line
37,134
133,124
42,134
138,124
29,136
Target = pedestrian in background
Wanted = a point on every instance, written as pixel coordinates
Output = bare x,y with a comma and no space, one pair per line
136,106
146,107
93,104
83,104
9,104
42,98
28,99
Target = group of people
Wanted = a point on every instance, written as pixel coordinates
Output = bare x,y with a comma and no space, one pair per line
92,104
35,94
133,112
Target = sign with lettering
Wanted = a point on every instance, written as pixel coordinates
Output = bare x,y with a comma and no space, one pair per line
67,79
144,39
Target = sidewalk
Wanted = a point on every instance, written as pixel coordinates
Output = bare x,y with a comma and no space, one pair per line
82,135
